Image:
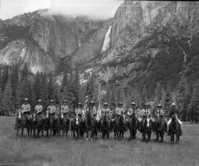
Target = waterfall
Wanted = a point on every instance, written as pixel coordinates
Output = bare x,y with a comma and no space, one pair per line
107,40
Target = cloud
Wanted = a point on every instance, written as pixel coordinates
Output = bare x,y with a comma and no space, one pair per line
95,9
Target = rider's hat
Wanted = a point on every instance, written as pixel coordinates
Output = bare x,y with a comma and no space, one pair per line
120,103
64,101
39,100
26,99
79,104
146,104
159,105
133,103
92,102
52,101
173,104
106,103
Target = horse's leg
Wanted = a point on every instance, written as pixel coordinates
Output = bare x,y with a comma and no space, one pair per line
22,131
17,132
162,136
157,136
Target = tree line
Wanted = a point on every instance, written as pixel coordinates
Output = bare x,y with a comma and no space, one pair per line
17,84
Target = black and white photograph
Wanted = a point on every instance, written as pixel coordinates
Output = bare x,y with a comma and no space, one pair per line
99,83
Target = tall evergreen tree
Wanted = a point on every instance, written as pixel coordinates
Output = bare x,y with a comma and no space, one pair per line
183,97
14,76
36,88
50,88
7,98
1,102
24,73
168,99
193,107
44,90
24,91
5,77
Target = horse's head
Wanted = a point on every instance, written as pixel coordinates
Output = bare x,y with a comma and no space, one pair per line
34,117
19,114
148,122
77,120
62,115
47,114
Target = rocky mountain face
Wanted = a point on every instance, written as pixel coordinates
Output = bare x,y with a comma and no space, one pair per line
145,42
41,39
152,41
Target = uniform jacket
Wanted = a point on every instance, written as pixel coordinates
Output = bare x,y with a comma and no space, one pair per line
38,108
25,108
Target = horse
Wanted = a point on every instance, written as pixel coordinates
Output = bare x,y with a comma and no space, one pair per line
54,123
90,126
159,127
147,129
174,129
133,126
46,124
75,126
20,122
105,127
63,124
119,127
37,123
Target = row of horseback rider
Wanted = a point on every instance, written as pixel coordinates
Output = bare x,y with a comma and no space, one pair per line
98,114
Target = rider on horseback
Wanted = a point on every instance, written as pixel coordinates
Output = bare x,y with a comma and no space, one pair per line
120,112
39,108
52,109
174,111
105,111
79,110
146,113
25,109
132,110
65,108
159,111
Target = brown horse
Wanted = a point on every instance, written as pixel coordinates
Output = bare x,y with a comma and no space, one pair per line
147,129
159,127
105,127
119,127
46,124
20,122
63,124
90,126
174,129
76,126
37,123
133,126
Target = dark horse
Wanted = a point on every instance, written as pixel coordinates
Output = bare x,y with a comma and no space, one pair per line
63,124
20,122
105,127
133,126
119,127
159,127
90,126
76,126
54,123
37,123
147,129
46,124
174,129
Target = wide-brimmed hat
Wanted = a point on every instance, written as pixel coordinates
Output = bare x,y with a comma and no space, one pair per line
92,102
39,100
51,101
26,99
120,103
173,104
132,103
64,101
159,105
106,103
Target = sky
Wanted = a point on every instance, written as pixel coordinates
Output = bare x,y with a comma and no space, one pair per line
97,9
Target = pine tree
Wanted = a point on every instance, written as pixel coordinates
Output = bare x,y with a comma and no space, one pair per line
7,98
193,107
5,77
91,87
1,102
182,97
168,100
24,92
44,90
36,88
24,73
50,88
15,83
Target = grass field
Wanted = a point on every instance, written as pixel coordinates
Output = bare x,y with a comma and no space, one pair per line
64,151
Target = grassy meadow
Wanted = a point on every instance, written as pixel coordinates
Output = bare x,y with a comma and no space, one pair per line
64,151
